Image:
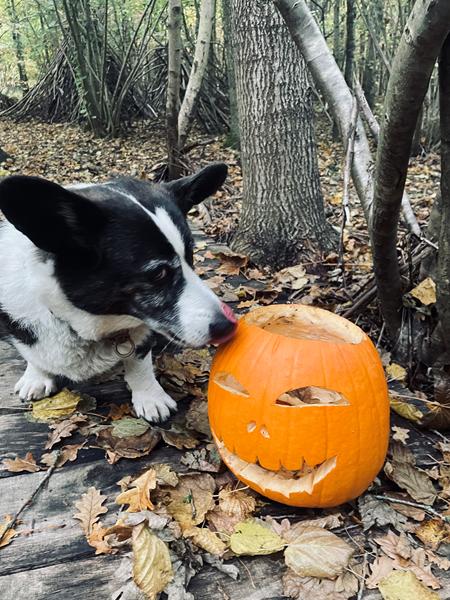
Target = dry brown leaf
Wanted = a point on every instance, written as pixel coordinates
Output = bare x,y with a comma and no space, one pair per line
118,411
165,475
197,417
68,453
317,552
401,585
238,503
403,471
400,434
425,292
130,447
6,538
121,530
96,539
433,532
63,429
206,539
191,499
19,465
179,439
376,512
313,588
381,567
89,509
138,496
222,521
152,567
395,546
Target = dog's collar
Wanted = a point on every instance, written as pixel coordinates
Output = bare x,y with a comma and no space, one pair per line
124,346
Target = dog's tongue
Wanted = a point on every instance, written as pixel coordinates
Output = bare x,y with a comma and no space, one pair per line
229,314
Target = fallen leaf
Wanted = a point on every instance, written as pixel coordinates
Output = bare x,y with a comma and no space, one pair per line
6,538
376,512
129,427
61,405
130,447
206,539
253,538
89,509
404,585
138,496
417,483
63,429
238,503
118,411
179,439
96,539
400,434
395,546
396,372
301,588
191,499
19,465
433,532
197,417
381,567
317,552
425,292
205,459
152,567
68,453
222,521
165,475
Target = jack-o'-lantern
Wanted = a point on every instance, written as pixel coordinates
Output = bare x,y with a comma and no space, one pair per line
298,406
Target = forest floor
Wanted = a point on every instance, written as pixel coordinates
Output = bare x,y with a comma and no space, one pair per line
394,539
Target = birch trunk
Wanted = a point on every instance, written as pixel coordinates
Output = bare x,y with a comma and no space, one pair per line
282,212
330,81
173,87
200,62
413,64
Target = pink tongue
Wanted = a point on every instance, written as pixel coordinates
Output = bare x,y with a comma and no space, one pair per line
231,317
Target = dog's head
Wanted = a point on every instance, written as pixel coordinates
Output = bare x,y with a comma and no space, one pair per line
124,248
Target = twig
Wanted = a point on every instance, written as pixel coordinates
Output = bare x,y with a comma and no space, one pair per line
367,113
426,507
28,502
363,578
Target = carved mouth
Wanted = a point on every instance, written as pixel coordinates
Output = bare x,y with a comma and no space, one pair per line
282,482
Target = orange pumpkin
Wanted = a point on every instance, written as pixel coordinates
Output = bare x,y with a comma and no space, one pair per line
298,406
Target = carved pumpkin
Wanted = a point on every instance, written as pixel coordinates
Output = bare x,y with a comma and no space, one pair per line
298,406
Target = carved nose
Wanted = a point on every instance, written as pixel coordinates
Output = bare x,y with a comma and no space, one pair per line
223,327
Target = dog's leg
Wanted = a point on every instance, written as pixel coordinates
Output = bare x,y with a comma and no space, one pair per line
34,384
150,401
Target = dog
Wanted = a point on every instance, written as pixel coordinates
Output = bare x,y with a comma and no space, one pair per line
90,274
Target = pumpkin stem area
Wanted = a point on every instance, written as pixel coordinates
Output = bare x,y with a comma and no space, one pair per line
305,323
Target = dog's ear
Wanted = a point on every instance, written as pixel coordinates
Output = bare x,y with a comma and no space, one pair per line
53,218
192,190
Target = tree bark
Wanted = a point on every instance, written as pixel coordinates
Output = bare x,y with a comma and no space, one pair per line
337,32
282,211
173,87
350,42
199,64
414,61
330,81
443,270
233,136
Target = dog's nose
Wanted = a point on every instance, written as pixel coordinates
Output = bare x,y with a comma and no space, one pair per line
224,326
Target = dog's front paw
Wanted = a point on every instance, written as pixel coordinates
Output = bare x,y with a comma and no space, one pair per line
154,405
34,385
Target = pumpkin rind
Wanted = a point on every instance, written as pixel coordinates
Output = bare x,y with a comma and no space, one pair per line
275,436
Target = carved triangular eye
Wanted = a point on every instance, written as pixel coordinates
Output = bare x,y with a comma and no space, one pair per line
228,382
312,396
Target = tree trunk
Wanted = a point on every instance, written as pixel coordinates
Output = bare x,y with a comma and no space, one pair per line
350,42
443,271
330,81
233,136
337,32
199,64
282,212
18,45
173,87
413,64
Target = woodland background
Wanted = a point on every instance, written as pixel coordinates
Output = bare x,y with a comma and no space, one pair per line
334,119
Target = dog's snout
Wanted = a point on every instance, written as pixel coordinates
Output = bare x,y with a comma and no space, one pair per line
224,326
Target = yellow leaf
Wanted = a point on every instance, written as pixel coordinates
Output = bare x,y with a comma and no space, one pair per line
396,372
425,292
61,405
404,585
317,552
89,509
405,409
152,567
252,538
6,538
138,497
206,539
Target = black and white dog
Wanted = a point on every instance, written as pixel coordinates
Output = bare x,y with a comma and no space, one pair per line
89,272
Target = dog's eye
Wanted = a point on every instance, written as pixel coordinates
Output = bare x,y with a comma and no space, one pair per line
160,274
